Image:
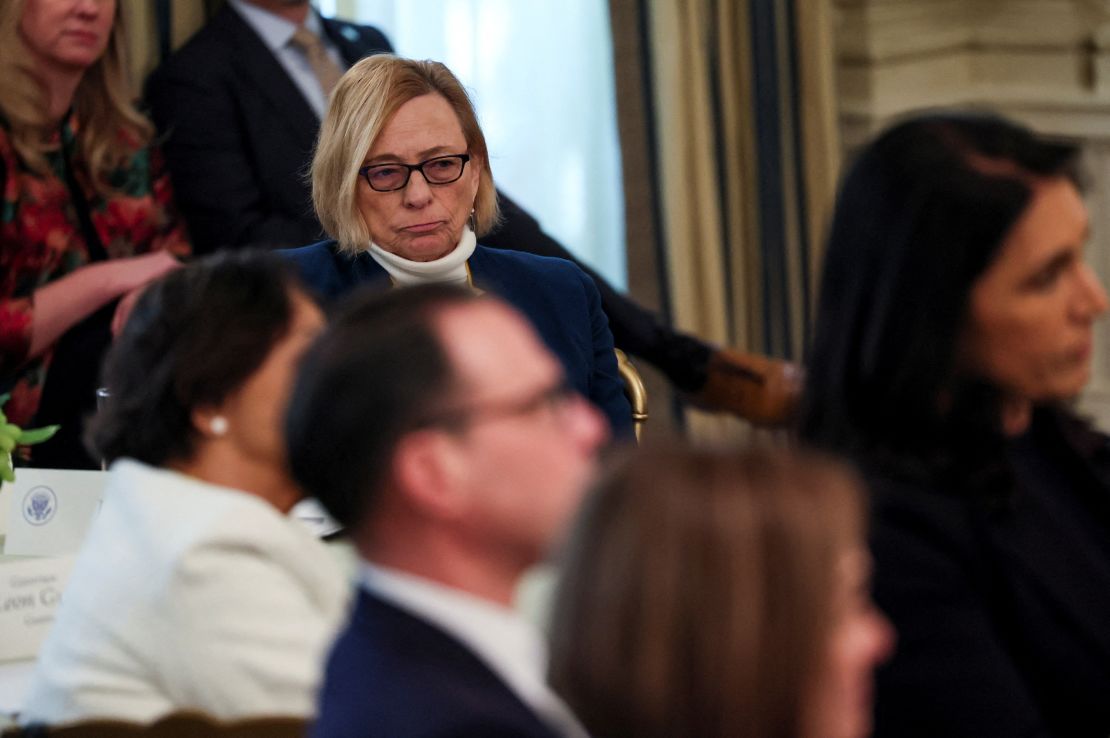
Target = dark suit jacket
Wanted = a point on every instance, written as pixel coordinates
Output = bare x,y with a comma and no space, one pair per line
559,299
239,136
1002,607
394,675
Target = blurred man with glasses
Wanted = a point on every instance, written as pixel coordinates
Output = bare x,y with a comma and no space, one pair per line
455,459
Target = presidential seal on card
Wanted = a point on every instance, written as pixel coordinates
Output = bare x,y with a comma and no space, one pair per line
39,505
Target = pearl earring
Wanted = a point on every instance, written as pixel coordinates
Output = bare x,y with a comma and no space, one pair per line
218,425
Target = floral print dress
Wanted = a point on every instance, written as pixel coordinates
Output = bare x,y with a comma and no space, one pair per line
41,240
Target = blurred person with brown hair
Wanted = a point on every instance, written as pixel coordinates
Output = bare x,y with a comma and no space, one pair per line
85,212
711,594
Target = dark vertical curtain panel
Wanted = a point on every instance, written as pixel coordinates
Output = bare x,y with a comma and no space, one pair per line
784,241
734,100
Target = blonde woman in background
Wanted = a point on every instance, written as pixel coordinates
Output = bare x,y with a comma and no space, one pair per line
85,210
401,181
708,594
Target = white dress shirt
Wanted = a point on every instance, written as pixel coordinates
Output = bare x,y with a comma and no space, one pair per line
277,34
509,645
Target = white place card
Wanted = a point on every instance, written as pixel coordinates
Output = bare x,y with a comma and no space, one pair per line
49,510
30,591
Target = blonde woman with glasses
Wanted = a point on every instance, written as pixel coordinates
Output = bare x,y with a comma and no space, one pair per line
401,181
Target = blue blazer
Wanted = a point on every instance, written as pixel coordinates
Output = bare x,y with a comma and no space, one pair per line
393,674
561,301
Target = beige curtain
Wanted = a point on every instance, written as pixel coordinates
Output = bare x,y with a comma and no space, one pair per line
186,17
821,140
741,257
690,182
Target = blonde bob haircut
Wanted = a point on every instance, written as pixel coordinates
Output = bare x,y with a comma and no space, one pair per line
362,103
697,593
110,129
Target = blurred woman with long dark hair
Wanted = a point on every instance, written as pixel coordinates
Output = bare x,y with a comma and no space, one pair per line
954,326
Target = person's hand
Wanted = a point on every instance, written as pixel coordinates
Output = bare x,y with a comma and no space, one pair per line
141,272
63,303
759,389
136,272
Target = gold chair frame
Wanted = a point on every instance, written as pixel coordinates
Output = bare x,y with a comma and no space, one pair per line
634,390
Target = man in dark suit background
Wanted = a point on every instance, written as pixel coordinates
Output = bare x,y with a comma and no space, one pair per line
478,456
240,106
240,125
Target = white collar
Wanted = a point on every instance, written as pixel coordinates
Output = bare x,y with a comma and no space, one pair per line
275,31
450,268
508,644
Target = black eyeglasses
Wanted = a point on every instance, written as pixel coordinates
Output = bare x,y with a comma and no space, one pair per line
549,401
438,171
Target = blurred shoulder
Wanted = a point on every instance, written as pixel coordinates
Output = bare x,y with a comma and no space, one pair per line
317,261
177,513
326,249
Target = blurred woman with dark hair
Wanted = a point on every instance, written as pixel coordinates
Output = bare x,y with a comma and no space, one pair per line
719,596
954,324
194,590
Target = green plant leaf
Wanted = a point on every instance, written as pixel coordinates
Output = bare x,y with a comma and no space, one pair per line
7,471
37,435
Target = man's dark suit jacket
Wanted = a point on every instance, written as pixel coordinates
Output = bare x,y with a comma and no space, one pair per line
557,297
1002,605
393,674
239,135
238,139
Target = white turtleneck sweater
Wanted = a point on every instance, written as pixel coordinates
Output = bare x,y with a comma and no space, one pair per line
450,268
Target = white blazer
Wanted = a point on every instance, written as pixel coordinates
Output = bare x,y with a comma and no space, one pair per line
188,595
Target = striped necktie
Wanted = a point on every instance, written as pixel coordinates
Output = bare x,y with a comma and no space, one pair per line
326,71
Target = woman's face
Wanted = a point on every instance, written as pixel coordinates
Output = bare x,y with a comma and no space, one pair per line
1031,312
68,35
255,411
860,639
420,222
